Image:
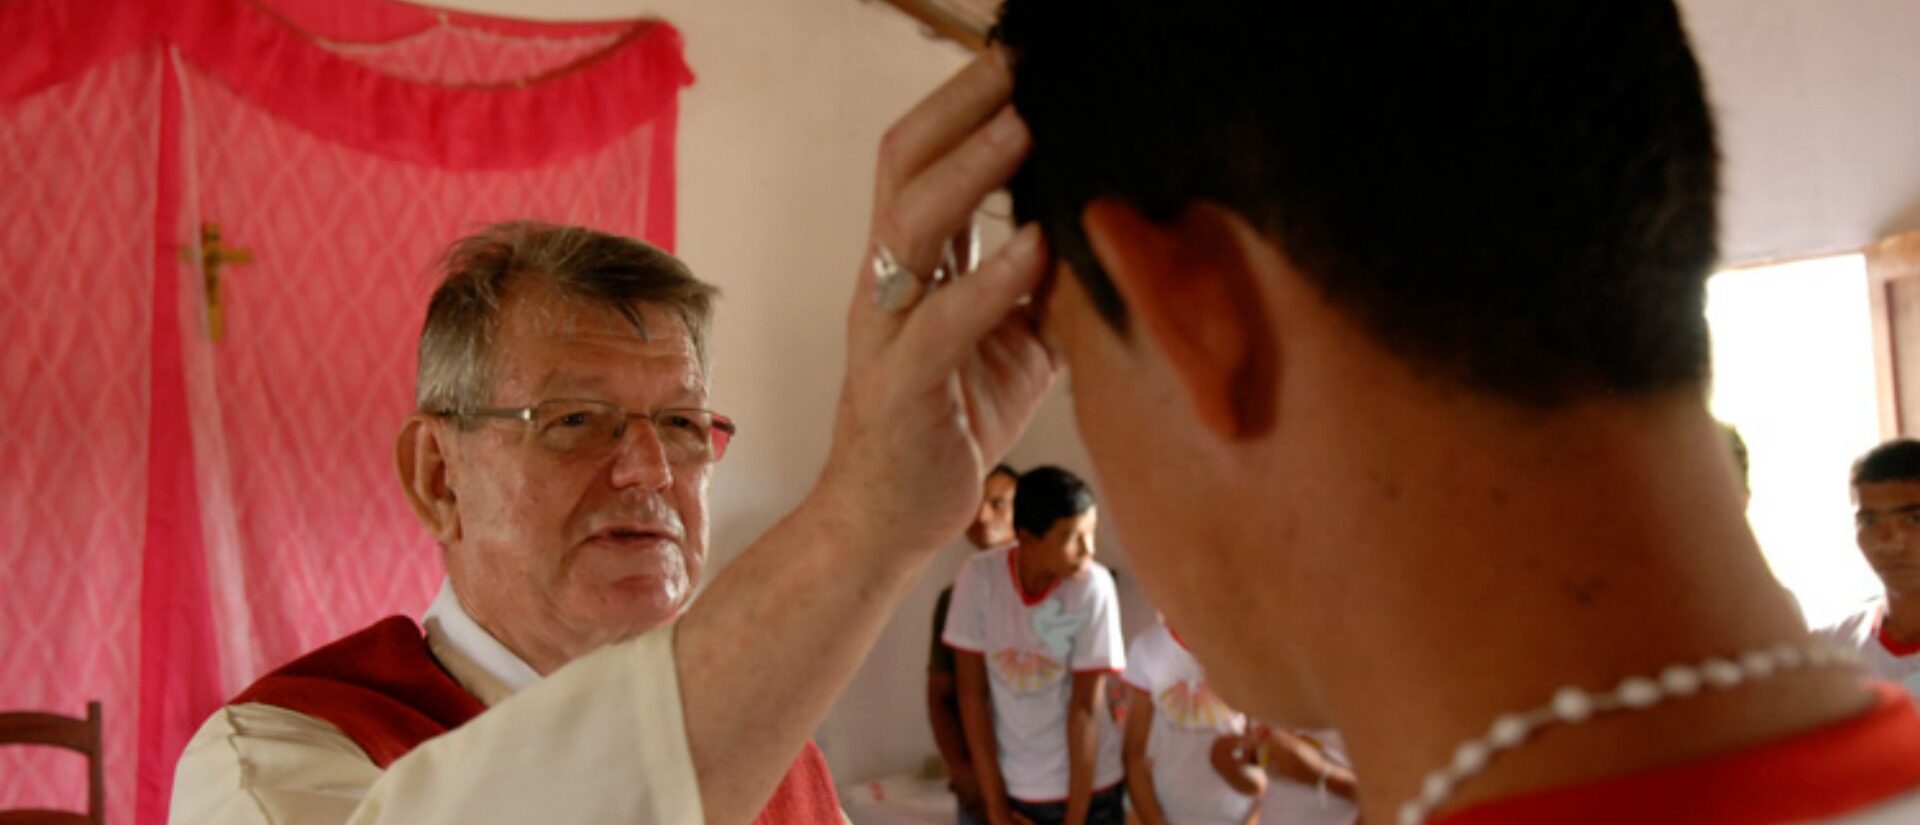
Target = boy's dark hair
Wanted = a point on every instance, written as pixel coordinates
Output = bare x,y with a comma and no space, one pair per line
1046,495
1896,460
1516,195
1004,469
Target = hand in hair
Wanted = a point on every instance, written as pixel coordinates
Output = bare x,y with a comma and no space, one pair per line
934,394
937,393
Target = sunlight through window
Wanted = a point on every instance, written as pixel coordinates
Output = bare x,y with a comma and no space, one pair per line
1793,370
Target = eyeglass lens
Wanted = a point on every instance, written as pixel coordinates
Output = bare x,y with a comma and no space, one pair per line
576,428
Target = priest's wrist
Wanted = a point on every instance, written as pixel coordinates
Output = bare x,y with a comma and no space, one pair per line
841,503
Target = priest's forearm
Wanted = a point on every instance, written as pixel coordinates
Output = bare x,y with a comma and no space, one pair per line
766,650
938,387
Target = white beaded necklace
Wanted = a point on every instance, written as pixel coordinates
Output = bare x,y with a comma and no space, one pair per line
1571,706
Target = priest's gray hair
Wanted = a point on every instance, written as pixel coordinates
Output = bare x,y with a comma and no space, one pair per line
457,343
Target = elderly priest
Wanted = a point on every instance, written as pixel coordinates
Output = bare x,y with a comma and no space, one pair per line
561,454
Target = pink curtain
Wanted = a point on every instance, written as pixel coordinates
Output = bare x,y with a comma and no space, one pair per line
178,514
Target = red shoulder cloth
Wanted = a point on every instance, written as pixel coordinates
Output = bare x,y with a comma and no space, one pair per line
1844,768
386,692
379,686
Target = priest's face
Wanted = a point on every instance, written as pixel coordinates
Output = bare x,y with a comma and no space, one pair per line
561,551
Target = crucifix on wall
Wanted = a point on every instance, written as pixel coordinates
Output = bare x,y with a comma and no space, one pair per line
214,257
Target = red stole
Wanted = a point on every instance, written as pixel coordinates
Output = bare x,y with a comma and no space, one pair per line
386,692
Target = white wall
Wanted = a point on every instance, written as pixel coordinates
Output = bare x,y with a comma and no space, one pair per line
1819,105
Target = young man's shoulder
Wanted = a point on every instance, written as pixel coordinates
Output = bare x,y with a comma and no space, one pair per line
992,558
1855,629
980,568
1151,641
1863,770
1147,656
1094,575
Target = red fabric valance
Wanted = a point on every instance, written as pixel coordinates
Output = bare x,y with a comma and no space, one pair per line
267,58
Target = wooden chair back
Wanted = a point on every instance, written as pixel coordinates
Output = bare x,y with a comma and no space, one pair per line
54,730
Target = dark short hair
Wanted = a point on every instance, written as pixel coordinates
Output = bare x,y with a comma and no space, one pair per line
1004,469
1896,460
1046,495
1514,195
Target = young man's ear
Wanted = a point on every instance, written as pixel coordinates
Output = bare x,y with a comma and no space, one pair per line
1191,285
420,456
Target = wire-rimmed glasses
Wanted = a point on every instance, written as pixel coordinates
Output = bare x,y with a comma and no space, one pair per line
581,427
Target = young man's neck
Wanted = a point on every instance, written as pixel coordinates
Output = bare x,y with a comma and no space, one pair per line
1489,556
1035,578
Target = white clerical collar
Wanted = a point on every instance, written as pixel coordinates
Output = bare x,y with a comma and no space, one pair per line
449,622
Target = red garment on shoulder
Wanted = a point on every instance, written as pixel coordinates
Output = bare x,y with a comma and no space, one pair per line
1837,770
386,692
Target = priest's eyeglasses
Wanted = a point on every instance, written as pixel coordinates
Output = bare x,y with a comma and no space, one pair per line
582,428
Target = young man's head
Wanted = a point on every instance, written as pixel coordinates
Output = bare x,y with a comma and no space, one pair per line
1270,213
1054,517
993,523
1886,495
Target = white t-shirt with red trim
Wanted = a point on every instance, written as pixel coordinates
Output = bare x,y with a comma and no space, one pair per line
1187,718
1883,657
1033,646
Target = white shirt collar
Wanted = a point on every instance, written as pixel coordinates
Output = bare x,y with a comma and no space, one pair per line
451,623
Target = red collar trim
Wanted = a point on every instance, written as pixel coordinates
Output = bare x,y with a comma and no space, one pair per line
1887,642
1177,640
1835,770
1013,569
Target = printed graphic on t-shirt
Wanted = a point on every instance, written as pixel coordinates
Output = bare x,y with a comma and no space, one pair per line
1025,672
1193,706
1055,627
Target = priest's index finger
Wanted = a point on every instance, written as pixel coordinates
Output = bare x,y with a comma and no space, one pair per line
943,119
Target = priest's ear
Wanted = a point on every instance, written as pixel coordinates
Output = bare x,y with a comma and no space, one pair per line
1194,286
419,454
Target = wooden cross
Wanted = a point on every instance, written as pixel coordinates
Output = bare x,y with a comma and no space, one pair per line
213,256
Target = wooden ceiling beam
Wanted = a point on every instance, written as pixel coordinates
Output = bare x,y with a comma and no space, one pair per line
954,20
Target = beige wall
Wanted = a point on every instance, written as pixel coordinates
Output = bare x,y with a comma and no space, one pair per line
1819,103
1819,109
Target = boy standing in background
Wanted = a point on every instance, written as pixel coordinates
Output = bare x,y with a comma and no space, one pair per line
1036,629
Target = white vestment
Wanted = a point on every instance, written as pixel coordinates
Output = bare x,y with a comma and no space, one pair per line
600,741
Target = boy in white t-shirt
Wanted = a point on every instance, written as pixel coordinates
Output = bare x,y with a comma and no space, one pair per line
1886,493
1035,629
1173,719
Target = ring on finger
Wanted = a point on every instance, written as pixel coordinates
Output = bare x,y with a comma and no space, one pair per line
896,287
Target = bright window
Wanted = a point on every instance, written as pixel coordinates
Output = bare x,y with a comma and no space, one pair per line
1793,370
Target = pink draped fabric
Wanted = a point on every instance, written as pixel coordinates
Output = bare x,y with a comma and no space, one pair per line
78,198
180,514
